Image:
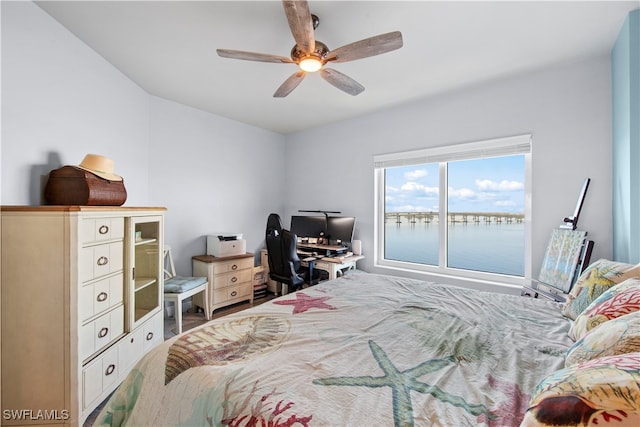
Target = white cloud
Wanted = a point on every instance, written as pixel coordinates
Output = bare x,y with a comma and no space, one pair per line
419,188
504,185
415,175
462,193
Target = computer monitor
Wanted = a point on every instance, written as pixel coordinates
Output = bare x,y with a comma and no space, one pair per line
340,229
308,226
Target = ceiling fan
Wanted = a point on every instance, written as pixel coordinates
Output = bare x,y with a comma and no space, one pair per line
312,55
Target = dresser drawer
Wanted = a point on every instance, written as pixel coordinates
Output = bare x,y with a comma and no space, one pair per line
232,265
232,292
98,376
95,298
153,331
233,278
98,333
101,229
100,260
131,349
140,341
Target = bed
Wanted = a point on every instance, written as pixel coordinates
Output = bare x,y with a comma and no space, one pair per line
360,350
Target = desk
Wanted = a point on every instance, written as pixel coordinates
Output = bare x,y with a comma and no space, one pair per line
335,266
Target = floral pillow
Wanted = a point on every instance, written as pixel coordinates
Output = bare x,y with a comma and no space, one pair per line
621,299
617,336
597,278
601,392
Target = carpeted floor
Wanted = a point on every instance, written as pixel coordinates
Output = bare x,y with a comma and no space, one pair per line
189,321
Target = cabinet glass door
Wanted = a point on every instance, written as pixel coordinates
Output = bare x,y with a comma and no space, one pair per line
146,275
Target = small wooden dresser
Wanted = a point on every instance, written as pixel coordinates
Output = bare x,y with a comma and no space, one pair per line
230,279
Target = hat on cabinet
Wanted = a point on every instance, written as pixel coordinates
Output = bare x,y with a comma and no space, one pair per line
99,165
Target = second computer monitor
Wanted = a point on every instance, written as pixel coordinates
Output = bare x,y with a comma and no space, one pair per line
340,229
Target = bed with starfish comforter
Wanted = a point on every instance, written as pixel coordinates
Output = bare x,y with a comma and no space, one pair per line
360,350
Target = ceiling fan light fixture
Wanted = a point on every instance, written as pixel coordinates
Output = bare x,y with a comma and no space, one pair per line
310,64
310,54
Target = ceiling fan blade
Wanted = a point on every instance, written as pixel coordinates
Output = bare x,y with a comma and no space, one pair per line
300,23
290,84
371,46
252,56
341,81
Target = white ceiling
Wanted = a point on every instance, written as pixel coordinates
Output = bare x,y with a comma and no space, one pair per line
168,49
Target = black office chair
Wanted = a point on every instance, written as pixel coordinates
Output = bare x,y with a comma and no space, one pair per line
284,264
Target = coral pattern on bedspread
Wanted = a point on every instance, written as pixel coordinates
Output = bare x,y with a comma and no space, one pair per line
363,349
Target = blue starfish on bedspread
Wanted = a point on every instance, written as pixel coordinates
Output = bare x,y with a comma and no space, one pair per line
403,382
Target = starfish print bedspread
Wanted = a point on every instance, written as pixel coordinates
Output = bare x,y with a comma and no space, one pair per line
360,350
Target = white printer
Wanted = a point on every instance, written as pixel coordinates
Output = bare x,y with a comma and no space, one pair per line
226,244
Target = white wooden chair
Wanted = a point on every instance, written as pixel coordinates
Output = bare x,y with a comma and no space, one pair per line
178,288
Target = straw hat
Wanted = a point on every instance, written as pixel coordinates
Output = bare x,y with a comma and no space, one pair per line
99,165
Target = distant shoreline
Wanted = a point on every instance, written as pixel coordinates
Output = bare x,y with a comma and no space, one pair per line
454,217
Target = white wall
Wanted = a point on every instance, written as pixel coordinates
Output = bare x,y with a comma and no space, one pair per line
567,110
213,175
60,101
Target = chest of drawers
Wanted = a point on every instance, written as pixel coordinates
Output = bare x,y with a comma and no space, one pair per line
230,279
78,337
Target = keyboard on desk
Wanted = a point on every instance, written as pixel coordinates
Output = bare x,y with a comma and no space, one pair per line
338,258
306,253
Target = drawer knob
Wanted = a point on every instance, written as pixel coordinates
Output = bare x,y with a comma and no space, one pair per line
234,267
102,296
234,293
234,279
149,336
103,229
103,332
110,369
103,260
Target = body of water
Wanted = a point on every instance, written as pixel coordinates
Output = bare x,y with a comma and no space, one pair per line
492,248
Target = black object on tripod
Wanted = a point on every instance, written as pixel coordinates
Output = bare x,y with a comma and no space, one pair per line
571,222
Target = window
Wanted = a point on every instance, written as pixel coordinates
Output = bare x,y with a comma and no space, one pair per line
460,210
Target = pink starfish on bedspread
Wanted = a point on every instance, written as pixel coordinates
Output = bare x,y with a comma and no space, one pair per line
304,302
511,411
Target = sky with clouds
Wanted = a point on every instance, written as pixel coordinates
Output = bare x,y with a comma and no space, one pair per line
479,185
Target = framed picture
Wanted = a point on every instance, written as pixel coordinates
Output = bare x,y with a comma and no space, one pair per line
563,258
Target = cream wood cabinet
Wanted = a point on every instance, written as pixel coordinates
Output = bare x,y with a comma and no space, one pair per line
230,279
82,291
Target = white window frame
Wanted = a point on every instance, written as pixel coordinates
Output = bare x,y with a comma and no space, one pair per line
514,145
